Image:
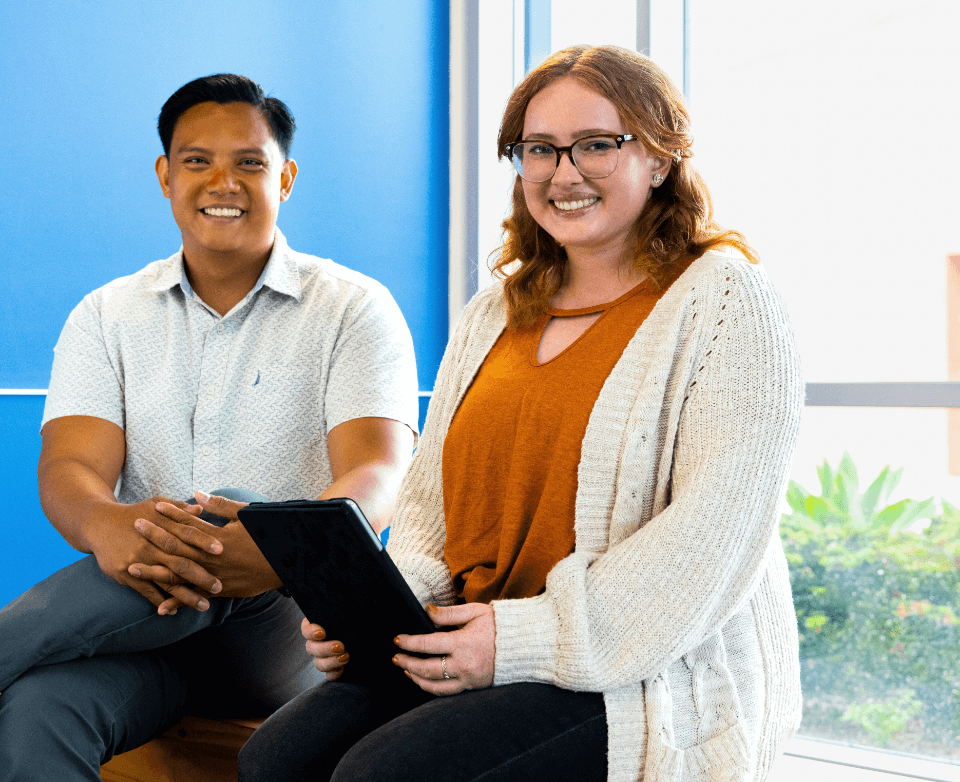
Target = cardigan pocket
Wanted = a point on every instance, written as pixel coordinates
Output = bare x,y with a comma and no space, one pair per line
724,758
727,755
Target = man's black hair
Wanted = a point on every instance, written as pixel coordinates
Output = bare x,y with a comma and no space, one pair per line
227,88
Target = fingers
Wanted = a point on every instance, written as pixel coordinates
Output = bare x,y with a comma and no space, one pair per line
431,643
329,657
310,631
180,594
189,529
169,606
220,506
425,667
462,659
179,564
428,673
165,605
176,540
183,595
145,588
193,510
167,577
455,615
176,572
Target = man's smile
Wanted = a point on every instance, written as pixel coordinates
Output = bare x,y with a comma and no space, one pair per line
222,211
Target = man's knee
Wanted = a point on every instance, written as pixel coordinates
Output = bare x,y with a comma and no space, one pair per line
49,728
62,721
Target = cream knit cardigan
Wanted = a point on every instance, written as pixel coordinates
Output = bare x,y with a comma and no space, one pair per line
676,603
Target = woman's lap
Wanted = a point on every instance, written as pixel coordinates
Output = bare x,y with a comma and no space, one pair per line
347,733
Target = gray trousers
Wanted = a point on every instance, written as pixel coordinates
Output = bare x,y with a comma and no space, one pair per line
88,669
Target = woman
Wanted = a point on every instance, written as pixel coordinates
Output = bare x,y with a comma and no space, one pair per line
594,500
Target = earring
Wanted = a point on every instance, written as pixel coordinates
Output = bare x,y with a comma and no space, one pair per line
657,179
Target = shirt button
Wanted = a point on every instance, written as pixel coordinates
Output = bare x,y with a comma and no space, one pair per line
206,450
220,327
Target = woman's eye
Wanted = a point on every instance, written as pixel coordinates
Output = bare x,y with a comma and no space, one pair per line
599,145
540,149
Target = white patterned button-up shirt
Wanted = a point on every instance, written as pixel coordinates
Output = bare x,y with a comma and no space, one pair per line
244,400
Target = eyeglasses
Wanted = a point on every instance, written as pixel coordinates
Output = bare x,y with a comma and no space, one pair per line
595,157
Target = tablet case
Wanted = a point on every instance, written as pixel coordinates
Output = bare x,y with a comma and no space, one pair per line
333,564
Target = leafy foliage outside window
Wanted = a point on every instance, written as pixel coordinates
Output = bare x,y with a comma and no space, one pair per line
877,593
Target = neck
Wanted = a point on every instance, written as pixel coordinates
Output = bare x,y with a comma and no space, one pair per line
595,278
221,280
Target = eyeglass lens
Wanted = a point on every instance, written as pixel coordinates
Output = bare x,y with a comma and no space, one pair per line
595,158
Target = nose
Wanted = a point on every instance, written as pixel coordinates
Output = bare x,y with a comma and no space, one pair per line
566,170
222,180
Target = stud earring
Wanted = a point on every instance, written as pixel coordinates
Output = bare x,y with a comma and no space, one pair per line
657,179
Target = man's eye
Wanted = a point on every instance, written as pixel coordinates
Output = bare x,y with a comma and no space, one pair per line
194,160
251,162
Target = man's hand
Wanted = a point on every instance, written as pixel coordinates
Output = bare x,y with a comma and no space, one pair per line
79,467
117,546
239,567
464,658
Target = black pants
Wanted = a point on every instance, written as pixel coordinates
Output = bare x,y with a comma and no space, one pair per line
348,732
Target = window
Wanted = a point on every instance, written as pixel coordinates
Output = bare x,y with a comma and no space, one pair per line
811,120
828,134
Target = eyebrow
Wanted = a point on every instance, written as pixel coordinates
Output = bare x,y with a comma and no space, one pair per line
578,135
246,151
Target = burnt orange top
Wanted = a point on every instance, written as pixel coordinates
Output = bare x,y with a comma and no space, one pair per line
511,454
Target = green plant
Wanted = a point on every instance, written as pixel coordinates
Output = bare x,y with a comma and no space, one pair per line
885,719
876,587
842,508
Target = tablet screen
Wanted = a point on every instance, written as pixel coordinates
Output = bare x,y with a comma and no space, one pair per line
333,564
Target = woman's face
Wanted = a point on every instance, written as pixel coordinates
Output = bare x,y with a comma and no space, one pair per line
587,216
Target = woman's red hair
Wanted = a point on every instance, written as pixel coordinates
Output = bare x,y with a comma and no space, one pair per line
676,224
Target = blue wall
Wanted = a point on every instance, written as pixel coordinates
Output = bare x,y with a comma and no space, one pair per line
81,85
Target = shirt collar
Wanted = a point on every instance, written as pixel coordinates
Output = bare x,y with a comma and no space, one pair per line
281,274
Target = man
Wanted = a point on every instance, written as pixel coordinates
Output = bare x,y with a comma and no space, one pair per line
236,362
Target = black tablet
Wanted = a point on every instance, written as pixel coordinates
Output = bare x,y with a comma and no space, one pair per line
335,567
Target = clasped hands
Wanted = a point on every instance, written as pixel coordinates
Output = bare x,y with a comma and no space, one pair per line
190,560
196,560
465,655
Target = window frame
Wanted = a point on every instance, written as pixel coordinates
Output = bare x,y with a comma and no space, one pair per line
662,31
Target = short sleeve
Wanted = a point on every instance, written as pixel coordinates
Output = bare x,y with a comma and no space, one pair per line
373,373
86,379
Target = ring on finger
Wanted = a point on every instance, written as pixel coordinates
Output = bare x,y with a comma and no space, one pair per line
443,665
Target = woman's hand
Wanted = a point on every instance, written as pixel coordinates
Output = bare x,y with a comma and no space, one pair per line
329,657
466,655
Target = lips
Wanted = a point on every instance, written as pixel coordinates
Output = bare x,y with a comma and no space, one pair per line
570,205
222,211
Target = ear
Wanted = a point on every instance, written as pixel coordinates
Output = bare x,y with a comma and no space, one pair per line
163,174
661,166
287,176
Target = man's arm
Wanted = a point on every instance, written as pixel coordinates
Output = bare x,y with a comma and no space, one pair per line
368,458
80,462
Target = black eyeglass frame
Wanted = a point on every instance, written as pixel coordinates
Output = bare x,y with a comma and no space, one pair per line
508,151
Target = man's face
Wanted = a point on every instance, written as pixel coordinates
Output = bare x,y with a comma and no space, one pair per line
225,178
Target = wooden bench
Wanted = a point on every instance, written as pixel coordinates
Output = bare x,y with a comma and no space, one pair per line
194,750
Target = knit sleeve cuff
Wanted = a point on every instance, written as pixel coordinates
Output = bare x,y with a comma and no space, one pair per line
527,641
